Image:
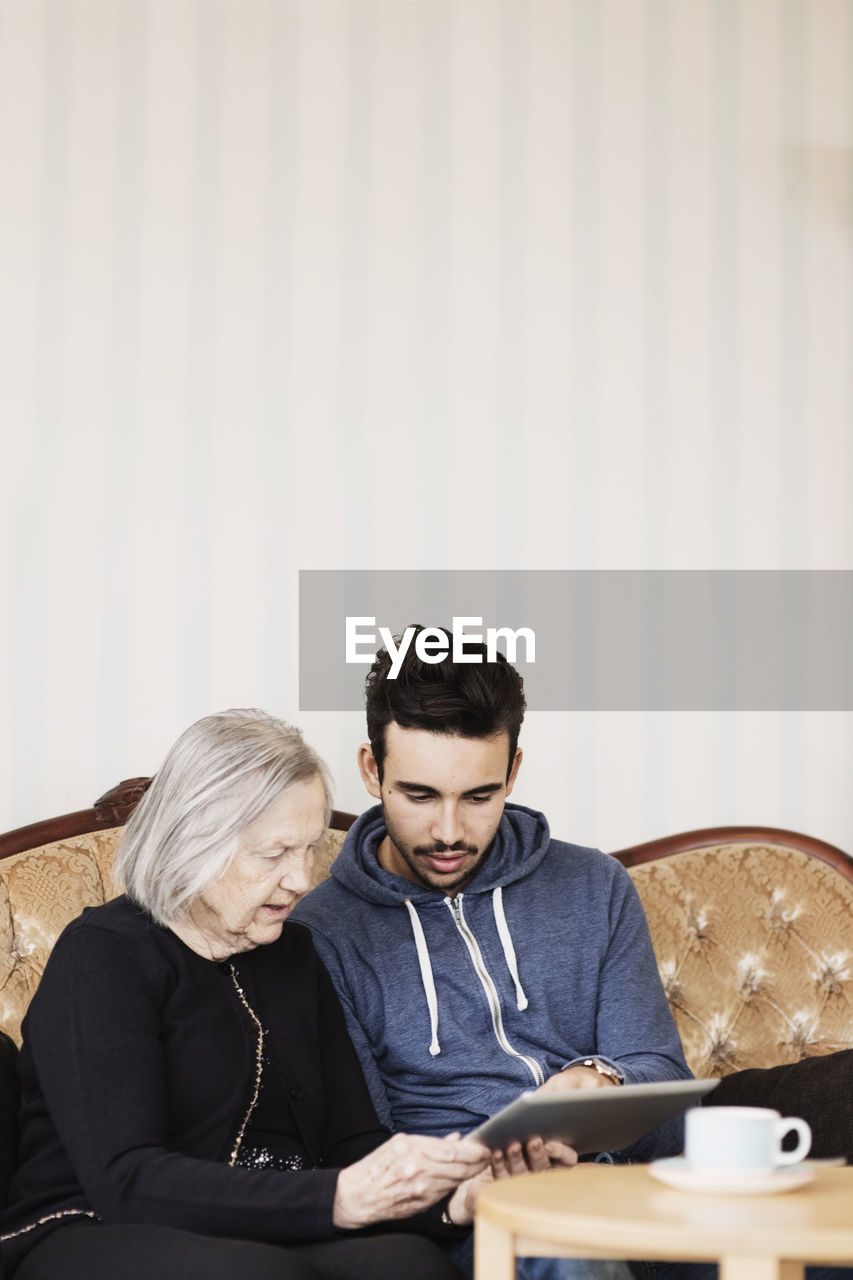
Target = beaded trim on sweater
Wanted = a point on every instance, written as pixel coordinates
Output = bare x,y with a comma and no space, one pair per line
259,1063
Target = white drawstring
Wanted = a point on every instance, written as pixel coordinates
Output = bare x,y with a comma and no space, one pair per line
426,976
426,967
509,949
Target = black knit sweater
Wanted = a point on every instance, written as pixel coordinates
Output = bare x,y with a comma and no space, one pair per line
139,1067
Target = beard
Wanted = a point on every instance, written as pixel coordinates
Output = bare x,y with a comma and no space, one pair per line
464,861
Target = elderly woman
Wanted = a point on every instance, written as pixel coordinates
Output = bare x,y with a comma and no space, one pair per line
193,1104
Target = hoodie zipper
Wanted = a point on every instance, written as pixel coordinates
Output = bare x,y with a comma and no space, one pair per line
455,905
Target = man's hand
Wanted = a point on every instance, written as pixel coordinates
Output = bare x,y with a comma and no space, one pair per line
534,1157
578,1078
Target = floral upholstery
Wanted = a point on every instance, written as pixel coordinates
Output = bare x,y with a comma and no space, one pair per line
754,942
755,949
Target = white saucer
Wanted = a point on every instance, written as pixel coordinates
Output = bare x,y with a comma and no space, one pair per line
676,1172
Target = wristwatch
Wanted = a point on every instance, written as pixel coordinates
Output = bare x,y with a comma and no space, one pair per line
446,1219
604,1069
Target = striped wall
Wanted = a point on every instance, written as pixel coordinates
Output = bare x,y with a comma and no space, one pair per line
292,284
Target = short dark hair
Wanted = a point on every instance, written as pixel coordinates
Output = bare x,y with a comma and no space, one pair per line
471,700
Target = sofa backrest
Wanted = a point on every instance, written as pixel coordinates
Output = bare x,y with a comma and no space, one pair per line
753,936
754,943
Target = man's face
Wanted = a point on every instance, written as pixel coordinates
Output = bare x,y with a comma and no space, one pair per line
442,796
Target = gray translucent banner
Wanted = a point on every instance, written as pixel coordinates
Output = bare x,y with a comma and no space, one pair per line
620,640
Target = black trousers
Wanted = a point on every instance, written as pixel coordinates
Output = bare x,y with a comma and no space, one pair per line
87,1251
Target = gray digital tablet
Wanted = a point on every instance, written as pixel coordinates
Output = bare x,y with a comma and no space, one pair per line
592,1119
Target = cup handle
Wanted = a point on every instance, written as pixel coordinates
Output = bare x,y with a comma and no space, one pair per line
793,1124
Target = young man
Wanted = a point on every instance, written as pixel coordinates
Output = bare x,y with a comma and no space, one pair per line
475,956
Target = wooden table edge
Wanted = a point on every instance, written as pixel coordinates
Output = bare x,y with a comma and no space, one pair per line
539,1232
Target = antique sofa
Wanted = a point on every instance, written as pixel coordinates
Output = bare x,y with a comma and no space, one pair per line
752,928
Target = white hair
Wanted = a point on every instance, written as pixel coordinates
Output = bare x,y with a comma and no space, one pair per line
220,775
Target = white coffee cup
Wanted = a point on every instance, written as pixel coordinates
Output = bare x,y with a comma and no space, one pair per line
746,1139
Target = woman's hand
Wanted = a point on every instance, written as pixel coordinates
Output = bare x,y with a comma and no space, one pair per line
534,1157
405,1175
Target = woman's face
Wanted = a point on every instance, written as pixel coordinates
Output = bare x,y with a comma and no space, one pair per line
269,873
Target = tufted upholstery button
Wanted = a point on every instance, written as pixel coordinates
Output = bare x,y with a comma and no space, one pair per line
669,977
831,972
751,975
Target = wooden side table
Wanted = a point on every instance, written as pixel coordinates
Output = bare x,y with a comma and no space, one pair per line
621,1211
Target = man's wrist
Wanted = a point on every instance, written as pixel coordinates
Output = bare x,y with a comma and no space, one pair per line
603,1068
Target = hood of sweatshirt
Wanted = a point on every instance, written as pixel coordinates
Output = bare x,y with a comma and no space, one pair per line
520,844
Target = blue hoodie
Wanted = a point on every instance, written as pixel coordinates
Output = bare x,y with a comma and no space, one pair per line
457,1005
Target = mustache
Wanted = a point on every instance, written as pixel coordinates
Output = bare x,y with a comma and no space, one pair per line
438,847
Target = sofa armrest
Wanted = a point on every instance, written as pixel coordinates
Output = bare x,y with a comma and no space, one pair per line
818,1089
